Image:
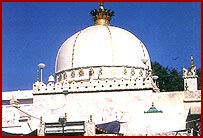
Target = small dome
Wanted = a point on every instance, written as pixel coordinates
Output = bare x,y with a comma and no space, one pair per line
51,78
101,45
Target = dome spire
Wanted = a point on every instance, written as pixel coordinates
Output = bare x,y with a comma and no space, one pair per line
102,16
101,5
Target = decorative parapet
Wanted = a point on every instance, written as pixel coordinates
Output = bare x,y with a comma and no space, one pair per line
191,72
190,77
101,72
98,78
94,85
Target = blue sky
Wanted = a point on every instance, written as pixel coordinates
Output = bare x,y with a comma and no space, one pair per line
33,33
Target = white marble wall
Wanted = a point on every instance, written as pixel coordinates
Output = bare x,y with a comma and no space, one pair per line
124,106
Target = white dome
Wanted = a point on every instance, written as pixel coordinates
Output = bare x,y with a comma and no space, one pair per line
101,45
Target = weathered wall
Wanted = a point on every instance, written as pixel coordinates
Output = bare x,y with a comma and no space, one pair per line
192,101
124,106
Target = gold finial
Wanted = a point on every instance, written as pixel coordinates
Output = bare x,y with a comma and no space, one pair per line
101,5
152,104
40,120
90,118
102,16
192,61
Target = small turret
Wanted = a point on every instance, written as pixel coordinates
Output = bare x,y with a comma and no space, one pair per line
50,85
51,79
190,77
